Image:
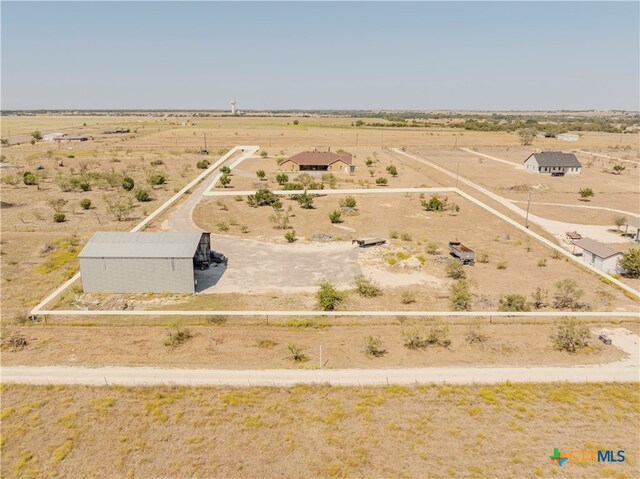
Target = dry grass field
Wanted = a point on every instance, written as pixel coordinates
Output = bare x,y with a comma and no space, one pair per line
501,431
237,344
618,192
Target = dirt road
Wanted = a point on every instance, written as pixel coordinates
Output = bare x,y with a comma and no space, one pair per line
626,370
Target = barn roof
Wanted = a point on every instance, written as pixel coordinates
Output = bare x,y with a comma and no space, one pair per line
596,248
320,158
556,158
141,245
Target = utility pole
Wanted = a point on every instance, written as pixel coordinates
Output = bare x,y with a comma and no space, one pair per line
458,173
455,143
526,219
382,140
356,139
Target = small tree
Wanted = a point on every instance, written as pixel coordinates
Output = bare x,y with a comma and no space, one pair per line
348,202
36,135
435,203
475,333
328,297
281,218
585,194
460,296
282,178
335,216
225,170
570,334
526,136
57,204
127,183
366,287
539,298
620,221
392,170
305,200
630,263
567,294
382,181
225,179
290,236
433,248
329,179
261,174
455,269
120,206
618,169
85,203
373,347
514,302
263,154
59,217
414,337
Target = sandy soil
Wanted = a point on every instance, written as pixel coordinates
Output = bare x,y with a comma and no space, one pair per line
236,347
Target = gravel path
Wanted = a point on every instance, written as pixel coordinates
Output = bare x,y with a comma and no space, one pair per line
625,370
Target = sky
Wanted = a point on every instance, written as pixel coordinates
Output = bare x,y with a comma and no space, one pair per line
321,55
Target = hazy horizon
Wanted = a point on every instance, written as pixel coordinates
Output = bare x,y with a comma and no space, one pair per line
314,56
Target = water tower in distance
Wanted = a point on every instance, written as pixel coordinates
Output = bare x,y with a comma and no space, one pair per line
233,107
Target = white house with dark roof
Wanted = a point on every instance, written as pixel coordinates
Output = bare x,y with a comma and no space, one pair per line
599,255
554,163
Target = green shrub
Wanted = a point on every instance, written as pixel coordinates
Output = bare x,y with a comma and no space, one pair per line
630,263
156,179
59,217
460,296
392,170
335,216
348,202
328,297
296,353
502,265
455,269
570,334
408,297
382,181
282,178
177,335
263,197
567,294
435,203
290,236
366,287
261,174
514,302
474,332
128,183
203,164
142,195
29,179
85,203
373,347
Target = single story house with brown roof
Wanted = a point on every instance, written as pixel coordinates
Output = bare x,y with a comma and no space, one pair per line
599,255
318,161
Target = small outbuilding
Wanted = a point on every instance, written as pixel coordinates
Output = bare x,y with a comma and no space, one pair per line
634,224
599,255
156,262
554,163
318,161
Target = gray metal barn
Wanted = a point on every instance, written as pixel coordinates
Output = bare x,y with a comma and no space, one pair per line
143,262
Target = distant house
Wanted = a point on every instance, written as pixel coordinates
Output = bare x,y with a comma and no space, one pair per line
52,136
568,137
318,161
553,163
70,138
115,130
634,223
599,255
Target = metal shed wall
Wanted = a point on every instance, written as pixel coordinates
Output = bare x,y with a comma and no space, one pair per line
138,275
